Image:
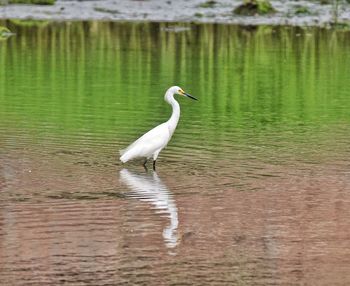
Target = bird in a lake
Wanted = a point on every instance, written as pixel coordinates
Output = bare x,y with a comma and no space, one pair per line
151,143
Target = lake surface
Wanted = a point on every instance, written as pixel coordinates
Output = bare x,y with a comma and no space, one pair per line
253,189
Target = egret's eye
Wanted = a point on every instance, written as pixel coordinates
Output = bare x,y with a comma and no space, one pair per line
181,91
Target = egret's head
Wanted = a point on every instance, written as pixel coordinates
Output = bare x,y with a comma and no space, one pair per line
180,91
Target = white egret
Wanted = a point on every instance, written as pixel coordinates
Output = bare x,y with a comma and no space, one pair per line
151,143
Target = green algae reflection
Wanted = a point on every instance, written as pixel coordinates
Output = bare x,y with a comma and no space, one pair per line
272,89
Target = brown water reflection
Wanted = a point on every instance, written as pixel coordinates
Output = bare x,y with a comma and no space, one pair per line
175,227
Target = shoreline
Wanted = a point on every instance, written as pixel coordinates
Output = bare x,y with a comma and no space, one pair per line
317,15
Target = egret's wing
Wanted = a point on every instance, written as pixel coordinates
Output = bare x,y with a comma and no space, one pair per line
147,144
123,151
146,138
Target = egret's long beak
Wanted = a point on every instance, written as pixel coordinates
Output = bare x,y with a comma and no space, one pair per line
190,96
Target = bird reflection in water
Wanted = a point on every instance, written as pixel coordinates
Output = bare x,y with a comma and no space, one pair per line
148,187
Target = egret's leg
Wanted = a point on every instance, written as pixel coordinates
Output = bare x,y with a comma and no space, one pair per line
155,156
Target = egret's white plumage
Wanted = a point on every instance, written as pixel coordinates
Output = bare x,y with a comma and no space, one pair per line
151,143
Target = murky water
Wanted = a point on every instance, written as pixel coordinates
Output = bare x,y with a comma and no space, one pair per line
253,189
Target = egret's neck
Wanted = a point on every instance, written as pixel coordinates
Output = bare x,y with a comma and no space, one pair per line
174,119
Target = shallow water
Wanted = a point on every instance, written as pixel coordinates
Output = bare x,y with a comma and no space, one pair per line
253,189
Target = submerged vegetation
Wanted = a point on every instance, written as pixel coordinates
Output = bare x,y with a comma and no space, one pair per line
254,7
208,4
29,22
105,10
302,10
4,33
37,2
4,30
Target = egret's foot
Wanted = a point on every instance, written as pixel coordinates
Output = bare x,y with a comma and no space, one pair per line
154,165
